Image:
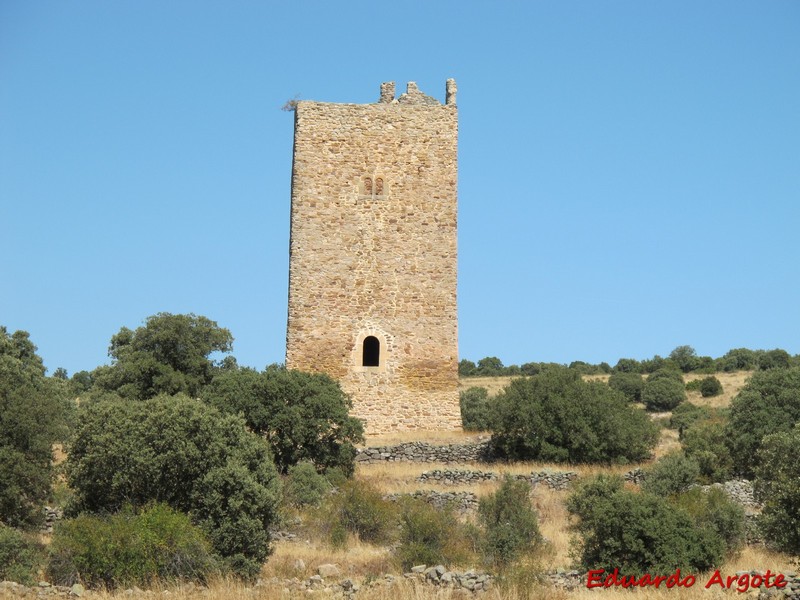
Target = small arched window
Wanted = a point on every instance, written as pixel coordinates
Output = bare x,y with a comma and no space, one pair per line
371,352
379,186
367,186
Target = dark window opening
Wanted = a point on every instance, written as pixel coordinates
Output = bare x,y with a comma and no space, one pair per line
371,356
367,186
379,187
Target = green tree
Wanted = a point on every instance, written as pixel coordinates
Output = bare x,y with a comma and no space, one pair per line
670,475
777,485
684,357
182,452
774,359
169,355
32,418
556,416
630,384
303,416
638,533
475,409
663,393
705,442
738,359
491,366
466,368
628,365
768,403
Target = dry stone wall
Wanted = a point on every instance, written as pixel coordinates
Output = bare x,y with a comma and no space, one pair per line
424,452
372,267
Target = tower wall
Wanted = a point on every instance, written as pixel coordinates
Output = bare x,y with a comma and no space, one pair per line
373,255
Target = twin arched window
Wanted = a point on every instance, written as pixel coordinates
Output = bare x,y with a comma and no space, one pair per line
372,188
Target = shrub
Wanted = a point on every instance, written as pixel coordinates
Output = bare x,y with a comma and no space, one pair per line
511,525
666,373
556,416
638,533
358,509
777,484
663,394
20,556
127,549
768,403
630,384
32,417
475,409
710,386
303,416
705,442
430,536
304,486
685,414
186,454
713,509
670,474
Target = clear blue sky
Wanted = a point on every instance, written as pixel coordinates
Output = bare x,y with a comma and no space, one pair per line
629,175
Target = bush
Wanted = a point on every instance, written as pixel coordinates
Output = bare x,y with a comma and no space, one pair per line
630,384
32,417
670,474
705,442
666,373
303,416
511,525
430,536
638,533
713,509
20,556
768,403
663,393
777,485
710,386
475,409
358,509
129,549
304,486
186,454
685,414
556,416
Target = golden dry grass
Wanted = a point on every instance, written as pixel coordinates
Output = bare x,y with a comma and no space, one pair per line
492,384
731,384
437,438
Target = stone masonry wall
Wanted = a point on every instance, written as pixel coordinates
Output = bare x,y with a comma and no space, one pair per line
373,254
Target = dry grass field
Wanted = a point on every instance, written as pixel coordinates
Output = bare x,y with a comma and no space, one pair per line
366,563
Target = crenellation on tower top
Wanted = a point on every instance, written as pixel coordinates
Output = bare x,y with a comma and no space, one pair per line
387,92
450,92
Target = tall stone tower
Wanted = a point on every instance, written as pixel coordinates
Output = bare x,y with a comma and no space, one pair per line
372,264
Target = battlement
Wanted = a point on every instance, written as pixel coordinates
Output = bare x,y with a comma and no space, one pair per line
413,95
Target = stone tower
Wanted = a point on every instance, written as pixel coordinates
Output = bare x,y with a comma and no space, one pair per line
372,263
